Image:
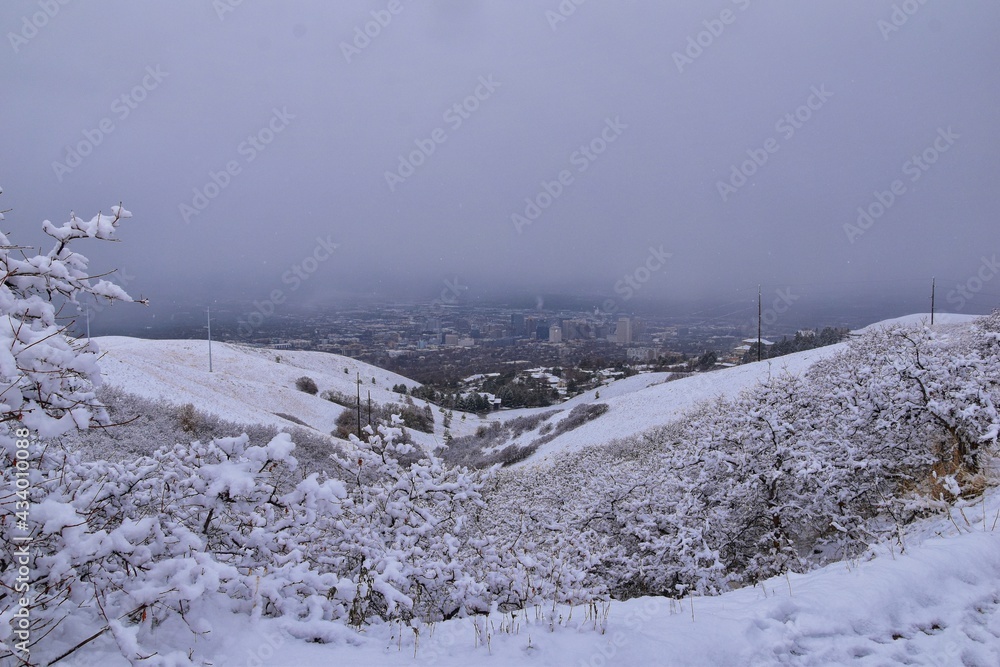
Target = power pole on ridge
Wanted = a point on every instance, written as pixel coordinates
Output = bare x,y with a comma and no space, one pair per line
759,312
209,311
933,290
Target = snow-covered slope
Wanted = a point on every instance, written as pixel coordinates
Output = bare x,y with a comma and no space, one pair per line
247,385
935,602
922,319
250,385
642,402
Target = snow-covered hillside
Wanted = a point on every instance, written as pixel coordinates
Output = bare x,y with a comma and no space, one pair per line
247,385
251,385
642,402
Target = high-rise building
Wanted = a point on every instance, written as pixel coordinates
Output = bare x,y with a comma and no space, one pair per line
623,335
555,333
517,324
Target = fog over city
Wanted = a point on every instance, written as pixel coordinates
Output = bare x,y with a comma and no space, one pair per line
661,152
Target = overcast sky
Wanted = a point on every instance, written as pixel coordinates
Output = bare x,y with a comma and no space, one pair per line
144,101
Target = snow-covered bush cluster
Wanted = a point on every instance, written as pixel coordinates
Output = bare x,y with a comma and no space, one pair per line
788,474
143,425
175,537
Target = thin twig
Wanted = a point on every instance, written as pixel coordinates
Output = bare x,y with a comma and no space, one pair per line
81,644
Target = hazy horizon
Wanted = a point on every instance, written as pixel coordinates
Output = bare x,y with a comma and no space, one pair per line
641,152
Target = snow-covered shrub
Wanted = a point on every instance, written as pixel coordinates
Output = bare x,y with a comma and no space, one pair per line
205,528
404,543
126,547
48,381
142,425
307,384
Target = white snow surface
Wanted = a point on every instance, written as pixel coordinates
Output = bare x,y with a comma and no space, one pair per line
247,384
921,319
644,401
934,602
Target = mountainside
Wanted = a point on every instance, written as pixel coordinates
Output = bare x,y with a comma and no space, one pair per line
247,385
256,385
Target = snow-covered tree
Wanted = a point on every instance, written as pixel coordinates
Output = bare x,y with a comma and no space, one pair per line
47,377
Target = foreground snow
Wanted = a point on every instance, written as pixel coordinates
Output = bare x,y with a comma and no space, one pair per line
934,603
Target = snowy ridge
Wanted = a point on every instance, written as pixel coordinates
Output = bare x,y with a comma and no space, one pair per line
642,402
920,319
247,385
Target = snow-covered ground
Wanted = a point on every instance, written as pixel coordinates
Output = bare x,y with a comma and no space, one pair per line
642,402
934,602
924,319
247,385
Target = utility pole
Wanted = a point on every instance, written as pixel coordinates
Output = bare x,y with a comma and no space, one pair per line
759,312
359,404
933,290
88,324
369,407
209,339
